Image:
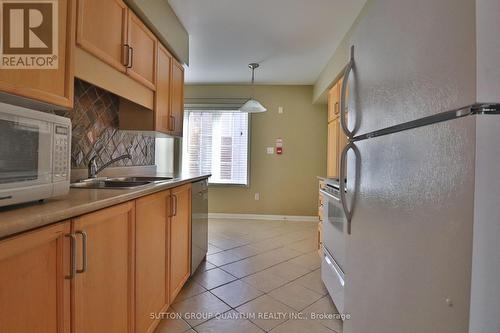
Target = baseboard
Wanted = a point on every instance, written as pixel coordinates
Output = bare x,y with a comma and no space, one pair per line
297,218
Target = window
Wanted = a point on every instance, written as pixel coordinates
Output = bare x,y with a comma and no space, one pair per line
216,142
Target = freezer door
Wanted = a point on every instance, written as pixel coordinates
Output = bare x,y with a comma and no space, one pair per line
412,59
409,253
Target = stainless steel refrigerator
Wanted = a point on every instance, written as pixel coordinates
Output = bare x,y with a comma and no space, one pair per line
423,188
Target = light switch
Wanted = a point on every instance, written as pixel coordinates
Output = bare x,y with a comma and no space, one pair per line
270,150
280,109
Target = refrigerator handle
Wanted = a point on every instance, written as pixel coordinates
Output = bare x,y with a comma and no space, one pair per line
342,181
347,72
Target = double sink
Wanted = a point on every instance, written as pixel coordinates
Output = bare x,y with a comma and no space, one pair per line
118,182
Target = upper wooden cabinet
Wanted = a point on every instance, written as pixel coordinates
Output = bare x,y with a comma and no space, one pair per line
336,137
333,149
35,293
180,238
102,30
111,32
142,55
53,86
162,119
103,290
152,244
177,98
333,102
168,113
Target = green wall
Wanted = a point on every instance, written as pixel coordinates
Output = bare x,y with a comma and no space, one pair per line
287,183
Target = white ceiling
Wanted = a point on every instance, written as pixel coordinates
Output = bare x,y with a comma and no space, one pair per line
291,39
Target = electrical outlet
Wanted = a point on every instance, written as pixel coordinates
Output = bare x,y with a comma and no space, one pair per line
257,196
270,150
280,109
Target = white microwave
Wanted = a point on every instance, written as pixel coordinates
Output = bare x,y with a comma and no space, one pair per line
35,152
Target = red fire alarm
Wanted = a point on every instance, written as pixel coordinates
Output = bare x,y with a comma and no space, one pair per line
279,146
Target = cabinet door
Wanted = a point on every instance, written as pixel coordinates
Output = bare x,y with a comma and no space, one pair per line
333,102
142,62
177,97
151,277
101,30
333,148
180,238
54,86
162,95
103,290
34,290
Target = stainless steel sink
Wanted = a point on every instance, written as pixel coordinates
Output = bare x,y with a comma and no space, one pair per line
141,179
118,182
108,184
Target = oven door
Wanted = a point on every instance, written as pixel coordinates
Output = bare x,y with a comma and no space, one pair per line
334,225
25,152
334,245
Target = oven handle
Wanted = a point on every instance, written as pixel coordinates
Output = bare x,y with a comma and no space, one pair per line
329,195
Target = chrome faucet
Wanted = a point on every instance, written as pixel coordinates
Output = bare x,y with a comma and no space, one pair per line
93,169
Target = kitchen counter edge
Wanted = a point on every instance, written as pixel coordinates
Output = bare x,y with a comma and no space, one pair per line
21,218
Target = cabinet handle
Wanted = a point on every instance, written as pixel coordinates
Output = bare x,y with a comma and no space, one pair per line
174,205
72,269
131,57
172,123
165,120
126,55
84,252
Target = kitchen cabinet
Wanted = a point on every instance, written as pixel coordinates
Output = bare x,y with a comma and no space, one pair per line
52,86
142,54
163,85
177,96
34,290
333,149
102,30
333,101
105,271
103,288
152,254
337,140
180,238
168,114
111,32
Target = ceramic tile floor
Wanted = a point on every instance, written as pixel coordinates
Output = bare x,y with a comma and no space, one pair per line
260,276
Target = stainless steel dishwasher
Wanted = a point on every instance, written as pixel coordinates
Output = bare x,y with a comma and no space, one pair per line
199,223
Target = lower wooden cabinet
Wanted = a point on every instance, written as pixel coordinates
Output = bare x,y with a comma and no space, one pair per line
180,238
34,293
103,288
105,271
152,243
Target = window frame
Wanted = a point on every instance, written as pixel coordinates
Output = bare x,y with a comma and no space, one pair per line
249,153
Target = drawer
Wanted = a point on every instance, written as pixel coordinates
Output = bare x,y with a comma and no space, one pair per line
333,278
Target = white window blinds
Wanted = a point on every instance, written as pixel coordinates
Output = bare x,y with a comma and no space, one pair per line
216,142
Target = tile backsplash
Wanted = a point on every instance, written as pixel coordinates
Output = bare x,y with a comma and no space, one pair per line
95,130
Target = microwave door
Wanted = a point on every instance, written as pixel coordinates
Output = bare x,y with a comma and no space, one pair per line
25,152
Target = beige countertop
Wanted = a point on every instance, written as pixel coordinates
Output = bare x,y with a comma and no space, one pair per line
19,218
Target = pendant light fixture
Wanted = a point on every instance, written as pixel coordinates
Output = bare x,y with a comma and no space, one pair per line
252,105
